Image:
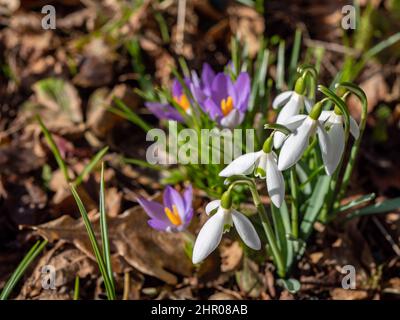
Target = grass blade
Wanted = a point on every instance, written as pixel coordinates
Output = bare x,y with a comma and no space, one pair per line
356,202
76,288
107,282
24,264
382,207
104,229
280,72
124,111
54,149
89,167
294,59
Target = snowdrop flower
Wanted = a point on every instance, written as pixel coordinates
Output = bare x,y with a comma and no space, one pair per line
264,164
174,214
292,102
303,127
210,234
227,101
334,122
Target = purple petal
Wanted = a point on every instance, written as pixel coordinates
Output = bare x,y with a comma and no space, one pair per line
159,225
164,111
153,209
172,197
198,94
188,218
219,88
177,89
207,75
188,197
242,88
213,110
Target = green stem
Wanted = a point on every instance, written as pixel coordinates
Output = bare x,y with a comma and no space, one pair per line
277,257
268,232
295,203
356,147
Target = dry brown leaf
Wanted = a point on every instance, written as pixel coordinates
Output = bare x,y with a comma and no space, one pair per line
231,255
150,251
344,294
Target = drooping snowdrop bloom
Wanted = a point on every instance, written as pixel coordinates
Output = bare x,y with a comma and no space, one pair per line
334,122
264,165
210,234
165,110
228,101
303,127
174,214
292,103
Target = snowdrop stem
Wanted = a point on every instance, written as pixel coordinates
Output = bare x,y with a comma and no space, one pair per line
295,203
355,149
276,254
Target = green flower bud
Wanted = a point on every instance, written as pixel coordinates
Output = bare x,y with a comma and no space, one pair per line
337,111
226,200
267,146
300,86
316,111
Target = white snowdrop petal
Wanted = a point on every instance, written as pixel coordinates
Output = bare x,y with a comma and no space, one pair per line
326,150
295,144
291,123
336,139
261,166
241,165
281,99
308,104
246,230
354,128
209,237
212,206
325,115
291,108
275,181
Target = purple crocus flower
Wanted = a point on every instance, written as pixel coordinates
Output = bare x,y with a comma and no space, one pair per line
165,110
201,87
228,101
174,214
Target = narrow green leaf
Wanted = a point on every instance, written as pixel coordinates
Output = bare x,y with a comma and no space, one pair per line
76,288
89,167
104,228
123,110
356,202
294,59
20,270
291,285
315,204
382,207
100,262
280,76
54,149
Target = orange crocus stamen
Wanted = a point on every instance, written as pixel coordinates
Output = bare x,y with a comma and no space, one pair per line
173,215
183,102
226,105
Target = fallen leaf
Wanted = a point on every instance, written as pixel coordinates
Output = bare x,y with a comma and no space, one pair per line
151,252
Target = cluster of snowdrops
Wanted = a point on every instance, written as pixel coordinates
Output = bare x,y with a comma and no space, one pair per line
307,141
